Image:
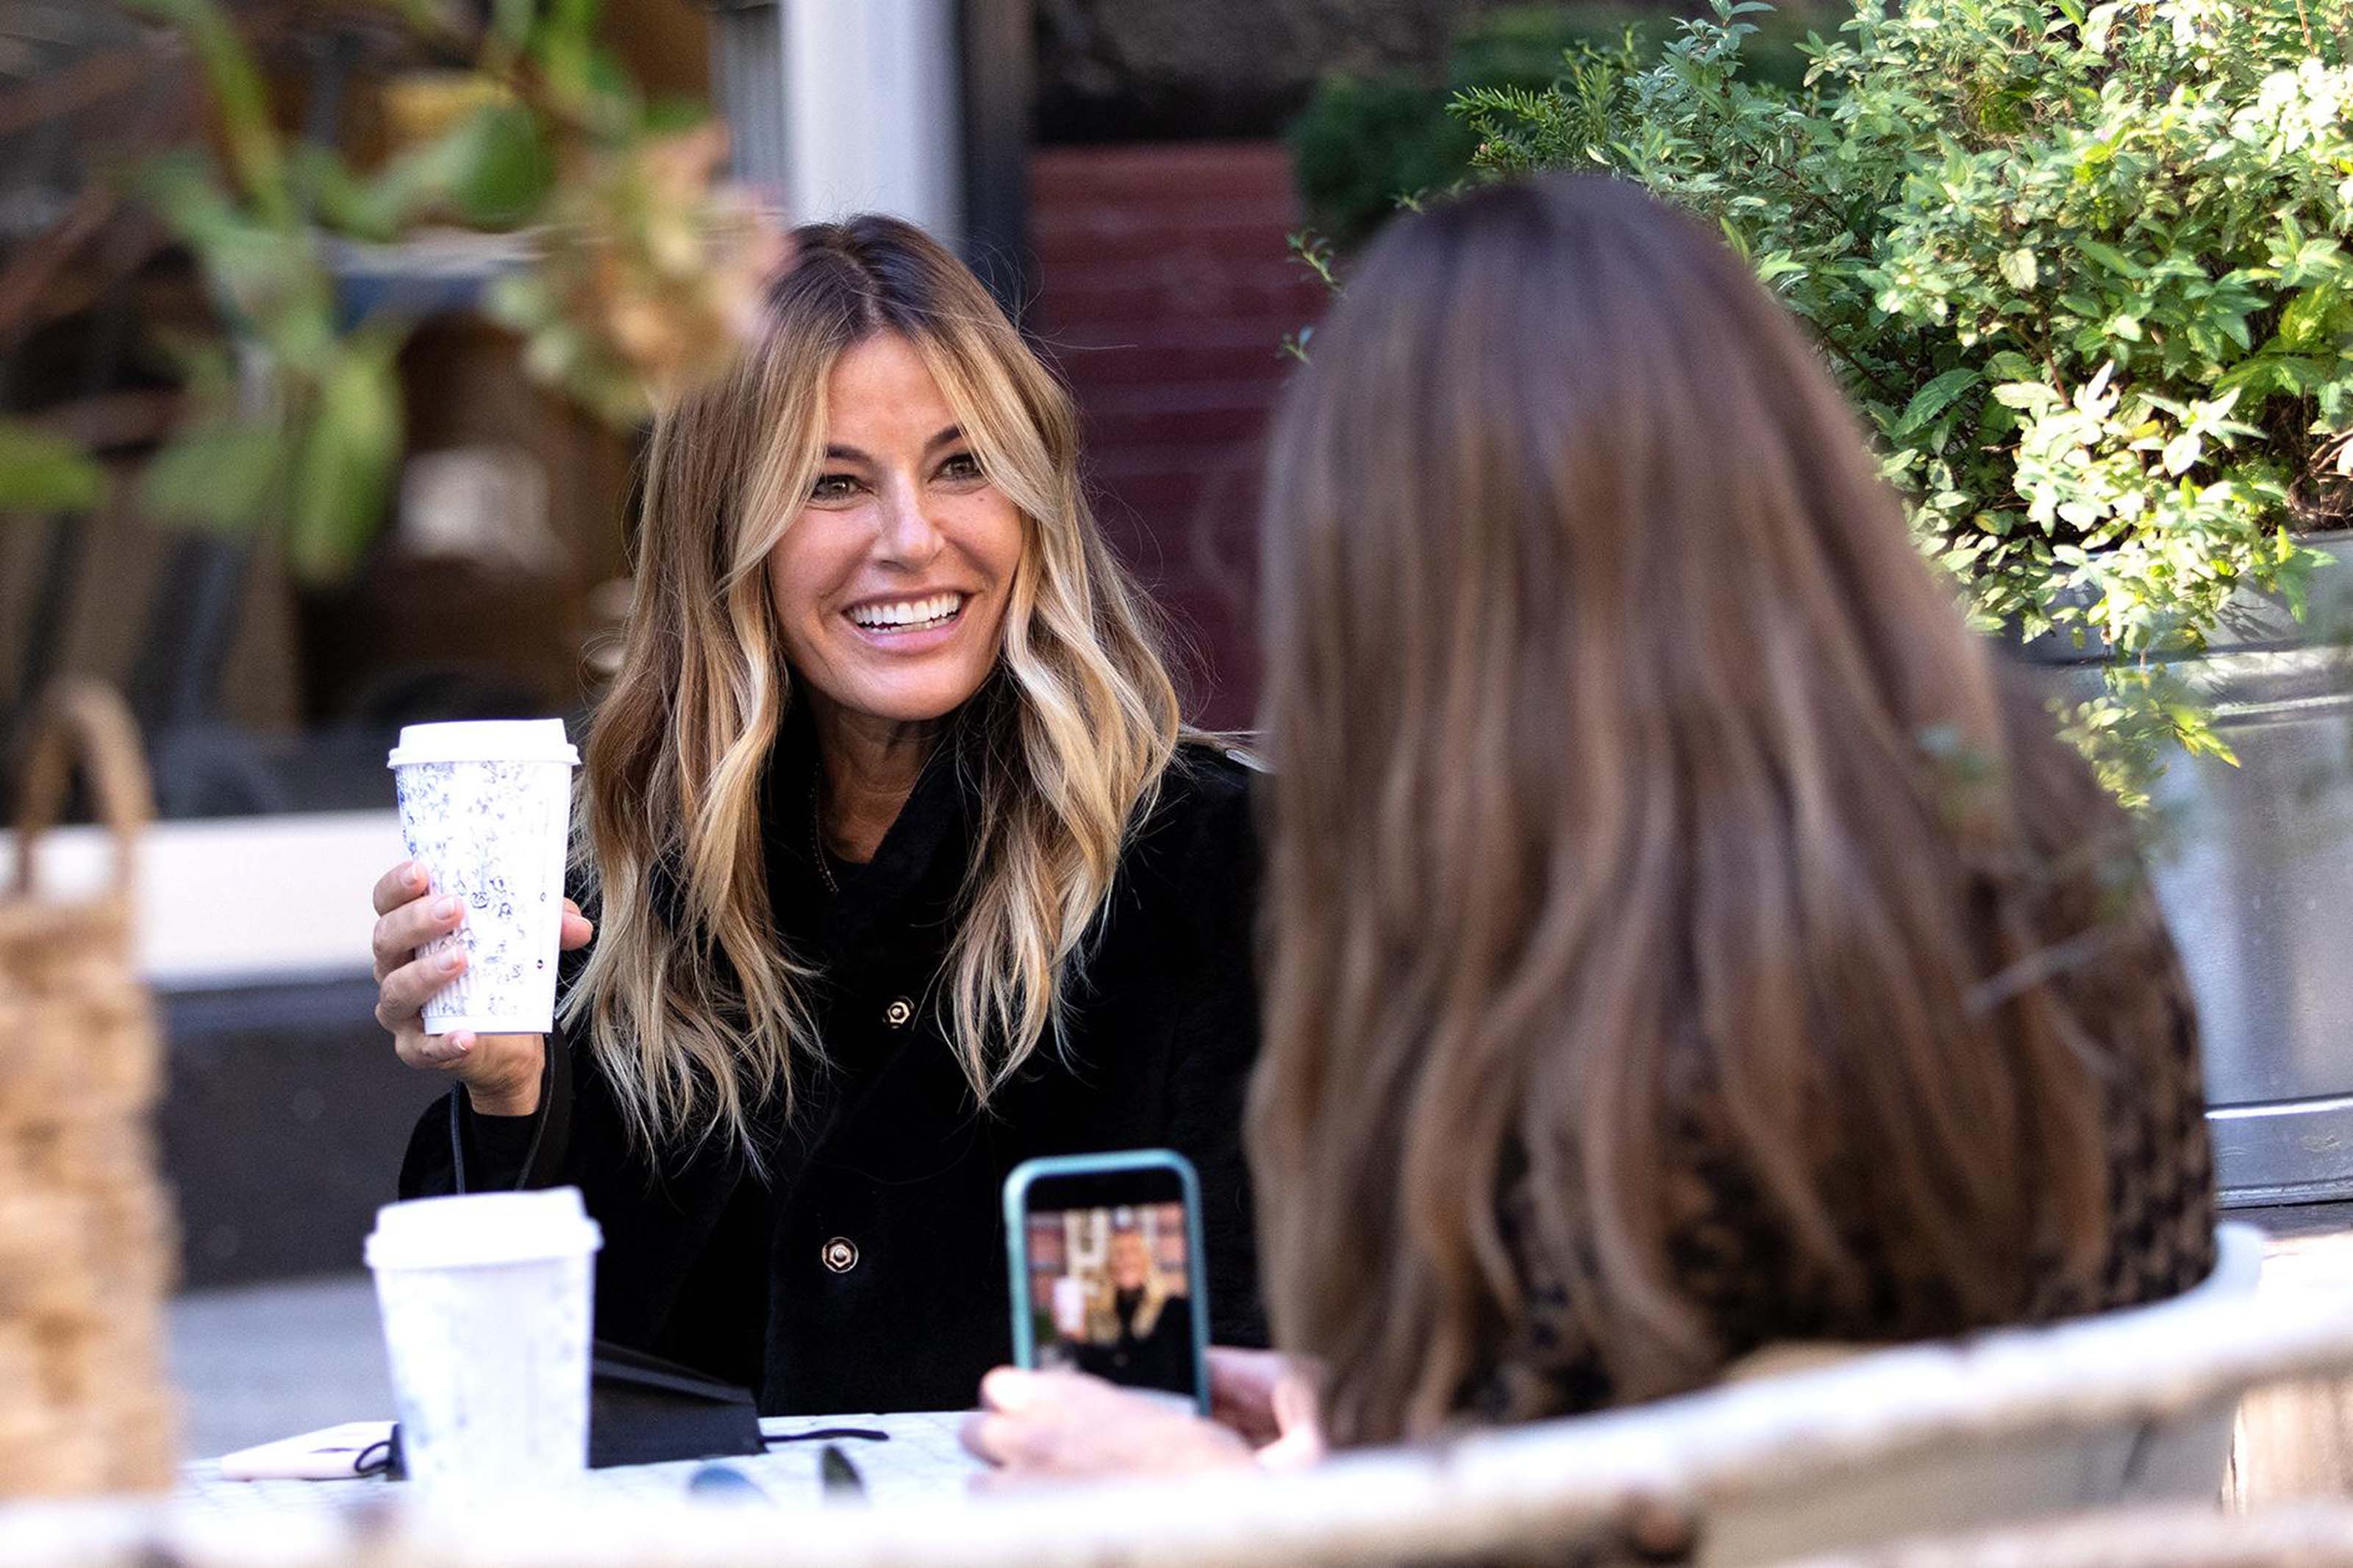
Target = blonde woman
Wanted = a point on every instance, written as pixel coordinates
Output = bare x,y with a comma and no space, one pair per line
904,869
1139,1328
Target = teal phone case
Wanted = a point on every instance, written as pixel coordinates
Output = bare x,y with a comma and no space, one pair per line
1016,1244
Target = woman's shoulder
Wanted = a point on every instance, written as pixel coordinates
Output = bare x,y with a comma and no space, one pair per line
1195,843
1211,768
1204,801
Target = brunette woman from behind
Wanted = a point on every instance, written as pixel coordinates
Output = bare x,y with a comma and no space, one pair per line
1686,937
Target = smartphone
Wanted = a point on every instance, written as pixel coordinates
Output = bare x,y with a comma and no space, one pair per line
1107,1269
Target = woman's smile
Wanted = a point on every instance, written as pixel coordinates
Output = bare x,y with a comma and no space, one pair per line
905,624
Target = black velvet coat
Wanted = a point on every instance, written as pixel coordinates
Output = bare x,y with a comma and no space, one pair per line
867,1271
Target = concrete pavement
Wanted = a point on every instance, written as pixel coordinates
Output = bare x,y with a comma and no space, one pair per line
260,1361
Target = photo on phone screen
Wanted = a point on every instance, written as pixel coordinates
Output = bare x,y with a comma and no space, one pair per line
1113,1286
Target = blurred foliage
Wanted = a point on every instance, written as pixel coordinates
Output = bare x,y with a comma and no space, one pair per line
2083,267
642,272
1364,142
41,472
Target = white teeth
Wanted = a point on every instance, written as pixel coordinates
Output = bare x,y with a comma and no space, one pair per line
901,612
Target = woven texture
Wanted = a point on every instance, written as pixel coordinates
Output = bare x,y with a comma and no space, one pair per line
86,1232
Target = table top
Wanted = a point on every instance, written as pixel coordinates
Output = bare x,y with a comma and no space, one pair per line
919,1462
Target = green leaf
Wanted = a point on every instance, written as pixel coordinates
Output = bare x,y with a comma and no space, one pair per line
42,472
2114,260
2019,269
1935,397
216,476
244,102
343,473
2027,394
2313,319
499,168
2182,453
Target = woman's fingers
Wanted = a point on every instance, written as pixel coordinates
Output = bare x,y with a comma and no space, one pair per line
578,931
416,1048
1065,1424
401,931
1242,1390
989,1437
1267,1398
404,990
398,886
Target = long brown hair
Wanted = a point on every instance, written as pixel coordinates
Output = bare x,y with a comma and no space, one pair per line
694,1006
1624,748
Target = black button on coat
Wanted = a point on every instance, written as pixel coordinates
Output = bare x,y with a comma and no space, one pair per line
867,1271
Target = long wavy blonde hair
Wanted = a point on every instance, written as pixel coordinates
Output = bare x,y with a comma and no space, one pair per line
697,1012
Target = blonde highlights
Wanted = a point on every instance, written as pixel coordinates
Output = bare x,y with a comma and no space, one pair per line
697,1013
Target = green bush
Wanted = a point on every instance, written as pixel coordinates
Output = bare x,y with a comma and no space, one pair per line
1363,142
2084,268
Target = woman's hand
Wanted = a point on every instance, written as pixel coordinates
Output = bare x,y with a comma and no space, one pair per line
1066,1424
500,1072
1267,1398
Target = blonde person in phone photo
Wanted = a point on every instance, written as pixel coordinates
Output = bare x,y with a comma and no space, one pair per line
1139,1322
899,867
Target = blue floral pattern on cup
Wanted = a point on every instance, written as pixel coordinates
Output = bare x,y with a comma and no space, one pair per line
493,834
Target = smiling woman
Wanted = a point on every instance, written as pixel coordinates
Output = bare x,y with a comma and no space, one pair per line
890,587
901,867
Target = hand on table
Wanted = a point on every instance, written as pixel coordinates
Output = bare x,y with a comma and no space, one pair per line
500,1072
1068,1425
1269,1399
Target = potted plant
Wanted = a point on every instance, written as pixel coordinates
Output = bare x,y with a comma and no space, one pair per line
578,215
2084,269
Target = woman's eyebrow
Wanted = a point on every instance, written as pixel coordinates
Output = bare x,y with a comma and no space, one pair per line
840,454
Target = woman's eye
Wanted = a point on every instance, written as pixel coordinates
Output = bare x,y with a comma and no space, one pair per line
833,487
962,466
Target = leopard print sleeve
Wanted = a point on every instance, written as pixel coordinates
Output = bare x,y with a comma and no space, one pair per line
2160,1162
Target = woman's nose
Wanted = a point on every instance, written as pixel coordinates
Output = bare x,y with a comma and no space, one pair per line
908,536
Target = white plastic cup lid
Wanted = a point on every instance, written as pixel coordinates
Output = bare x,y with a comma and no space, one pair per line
477,1228
486,740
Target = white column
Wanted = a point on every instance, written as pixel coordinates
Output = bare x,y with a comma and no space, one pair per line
859,100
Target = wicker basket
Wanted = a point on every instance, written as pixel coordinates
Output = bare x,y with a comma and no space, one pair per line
87,1237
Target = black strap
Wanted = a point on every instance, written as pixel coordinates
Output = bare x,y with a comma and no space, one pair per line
544,1166
458,1138
550,1138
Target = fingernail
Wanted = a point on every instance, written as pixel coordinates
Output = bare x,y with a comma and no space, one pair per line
461,1043
445,909
411,874
452,961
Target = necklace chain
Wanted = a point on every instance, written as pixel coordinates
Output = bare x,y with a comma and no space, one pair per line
816,842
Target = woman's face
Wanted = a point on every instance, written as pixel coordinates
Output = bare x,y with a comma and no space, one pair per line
1131,1267
890,582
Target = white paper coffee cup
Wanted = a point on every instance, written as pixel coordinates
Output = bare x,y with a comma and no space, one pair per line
487,1312
486,809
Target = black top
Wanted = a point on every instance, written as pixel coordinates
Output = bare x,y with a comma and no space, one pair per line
867,1271
1160,1356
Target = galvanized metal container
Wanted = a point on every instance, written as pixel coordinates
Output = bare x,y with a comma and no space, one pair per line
2254,864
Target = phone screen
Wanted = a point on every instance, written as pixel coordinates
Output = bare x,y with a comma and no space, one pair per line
1112,1276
